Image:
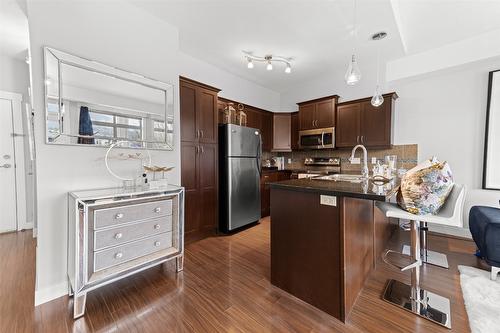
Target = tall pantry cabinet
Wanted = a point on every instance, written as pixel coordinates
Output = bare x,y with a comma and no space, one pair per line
199,162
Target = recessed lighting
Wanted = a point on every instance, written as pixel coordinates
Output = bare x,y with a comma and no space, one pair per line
288,68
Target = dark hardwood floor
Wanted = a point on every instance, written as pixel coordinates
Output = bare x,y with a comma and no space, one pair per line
224,288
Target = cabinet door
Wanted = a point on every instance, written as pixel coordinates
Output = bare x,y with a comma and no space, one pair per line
207,115
265,192
347,130
189,180
294,131
253,118
325,113
375,125
267,131
306,116
188,101
208,185
281,132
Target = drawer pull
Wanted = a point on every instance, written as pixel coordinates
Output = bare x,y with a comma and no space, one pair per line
118,235
157,243
118,255
157,209
157,226
119,216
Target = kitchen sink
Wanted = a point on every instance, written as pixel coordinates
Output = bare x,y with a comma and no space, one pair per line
341,177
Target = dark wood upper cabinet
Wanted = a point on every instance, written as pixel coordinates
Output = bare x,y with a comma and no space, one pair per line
325,113
281,132
267,130
358,122
318,113
306,116
188,101
199,164
294,130
208,115
376,124
347,131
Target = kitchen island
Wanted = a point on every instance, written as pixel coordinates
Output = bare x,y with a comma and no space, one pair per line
326,237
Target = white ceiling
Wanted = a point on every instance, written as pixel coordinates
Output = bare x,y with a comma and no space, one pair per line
14,34
317,33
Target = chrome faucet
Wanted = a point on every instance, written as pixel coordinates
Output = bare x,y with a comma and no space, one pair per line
364,170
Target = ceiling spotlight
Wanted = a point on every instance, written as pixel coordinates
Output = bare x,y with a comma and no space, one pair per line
47,82
269,60
250,63
288,68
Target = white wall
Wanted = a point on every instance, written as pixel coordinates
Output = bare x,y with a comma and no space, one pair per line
443,112
126,37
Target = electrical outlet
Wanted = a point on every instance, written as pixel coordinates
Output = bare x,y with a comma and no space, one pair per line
374,160
356,160
289,160
328,200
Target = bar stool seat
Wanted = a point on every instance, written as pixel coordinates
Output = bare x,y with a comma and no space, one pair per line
451,214
411,297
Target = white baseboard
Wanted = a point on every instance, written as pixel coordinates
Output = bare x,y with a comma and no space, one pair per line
50,293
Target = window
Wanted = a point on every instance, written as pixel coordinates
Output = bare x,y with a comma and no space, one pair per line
108,125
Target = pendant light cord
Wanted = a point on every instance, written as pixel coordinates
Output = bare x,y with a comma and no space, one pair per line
378,64
354,31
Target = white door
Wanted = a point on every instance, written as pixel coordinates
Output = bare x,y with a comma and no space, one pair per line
8,216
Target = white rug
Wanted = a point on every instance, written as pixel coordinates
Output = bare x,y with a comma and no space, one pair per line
481,298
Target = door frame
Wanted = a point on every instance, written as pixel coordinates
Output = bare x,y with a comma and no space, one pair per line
20,171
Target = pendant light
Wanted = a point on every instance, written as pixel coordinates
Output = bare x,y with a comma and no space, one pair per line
353,74
378,99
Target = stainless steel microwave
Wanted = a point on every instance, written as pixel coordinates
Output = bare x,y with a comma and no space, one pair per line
320,138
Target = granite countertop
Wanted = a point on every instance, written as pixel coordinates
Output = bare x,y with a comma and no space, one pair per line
362,190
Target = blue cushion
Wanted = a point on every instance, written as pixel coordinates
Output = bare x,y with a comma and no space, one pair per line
484,225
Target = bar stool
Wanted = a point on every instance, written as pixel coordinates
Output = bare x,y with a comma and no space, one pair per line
411,297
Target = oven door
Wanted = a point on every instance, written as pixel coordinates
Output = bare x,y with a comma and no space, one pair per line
321,138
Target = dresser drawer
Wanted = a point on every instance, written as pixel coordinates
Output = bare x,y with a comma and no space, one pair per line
126,252
124,214
127,233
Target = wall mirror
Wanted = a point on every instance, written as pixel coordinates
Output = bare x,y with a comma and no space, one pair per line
491,172
89,103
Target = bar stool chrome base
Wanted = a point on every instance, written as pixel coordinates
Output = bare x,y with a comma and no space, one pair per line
430,257
432,307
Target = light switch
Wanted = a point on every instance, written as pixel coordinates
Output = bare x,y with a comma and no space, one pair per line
328,200
289,161
374,160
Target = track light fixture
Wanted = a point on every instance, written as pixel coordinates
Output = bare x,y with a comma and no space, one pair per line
269,60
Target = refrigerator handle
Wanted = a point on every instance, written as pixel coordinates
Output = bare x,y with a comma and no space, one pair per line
259,155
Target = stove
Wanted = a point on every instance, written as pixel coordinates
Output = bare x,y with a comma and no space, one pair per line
316,166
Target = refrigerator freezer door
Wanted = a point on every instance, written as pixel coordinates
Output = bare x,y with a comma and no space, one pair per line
244,192
242,141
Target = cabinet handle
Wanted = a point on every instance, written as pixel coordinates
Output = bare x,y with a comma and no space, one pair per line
119,216
362,139
118,255
201,132
157,209
157,243
196,149
118,235
157,226
202,149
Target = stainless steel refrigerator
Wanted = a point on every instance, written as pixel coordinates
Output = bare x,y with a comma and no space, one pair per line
240,152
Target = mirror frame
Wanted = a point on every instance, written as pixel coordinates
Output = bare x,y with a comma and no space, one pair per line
487,186
100,68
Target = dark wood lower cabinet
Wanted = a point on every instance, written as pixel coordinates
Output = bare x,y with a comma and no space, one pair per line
200,180
265,192
323,254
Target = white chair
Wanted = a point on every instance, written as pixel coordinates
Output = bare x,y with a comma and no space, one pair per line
411,297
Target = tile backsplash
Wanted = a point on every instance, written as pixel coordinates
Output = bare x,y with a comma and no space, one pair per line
407,157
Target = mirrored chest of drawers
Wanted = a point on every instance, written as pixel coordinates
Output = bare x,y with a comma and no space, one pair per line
114,233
